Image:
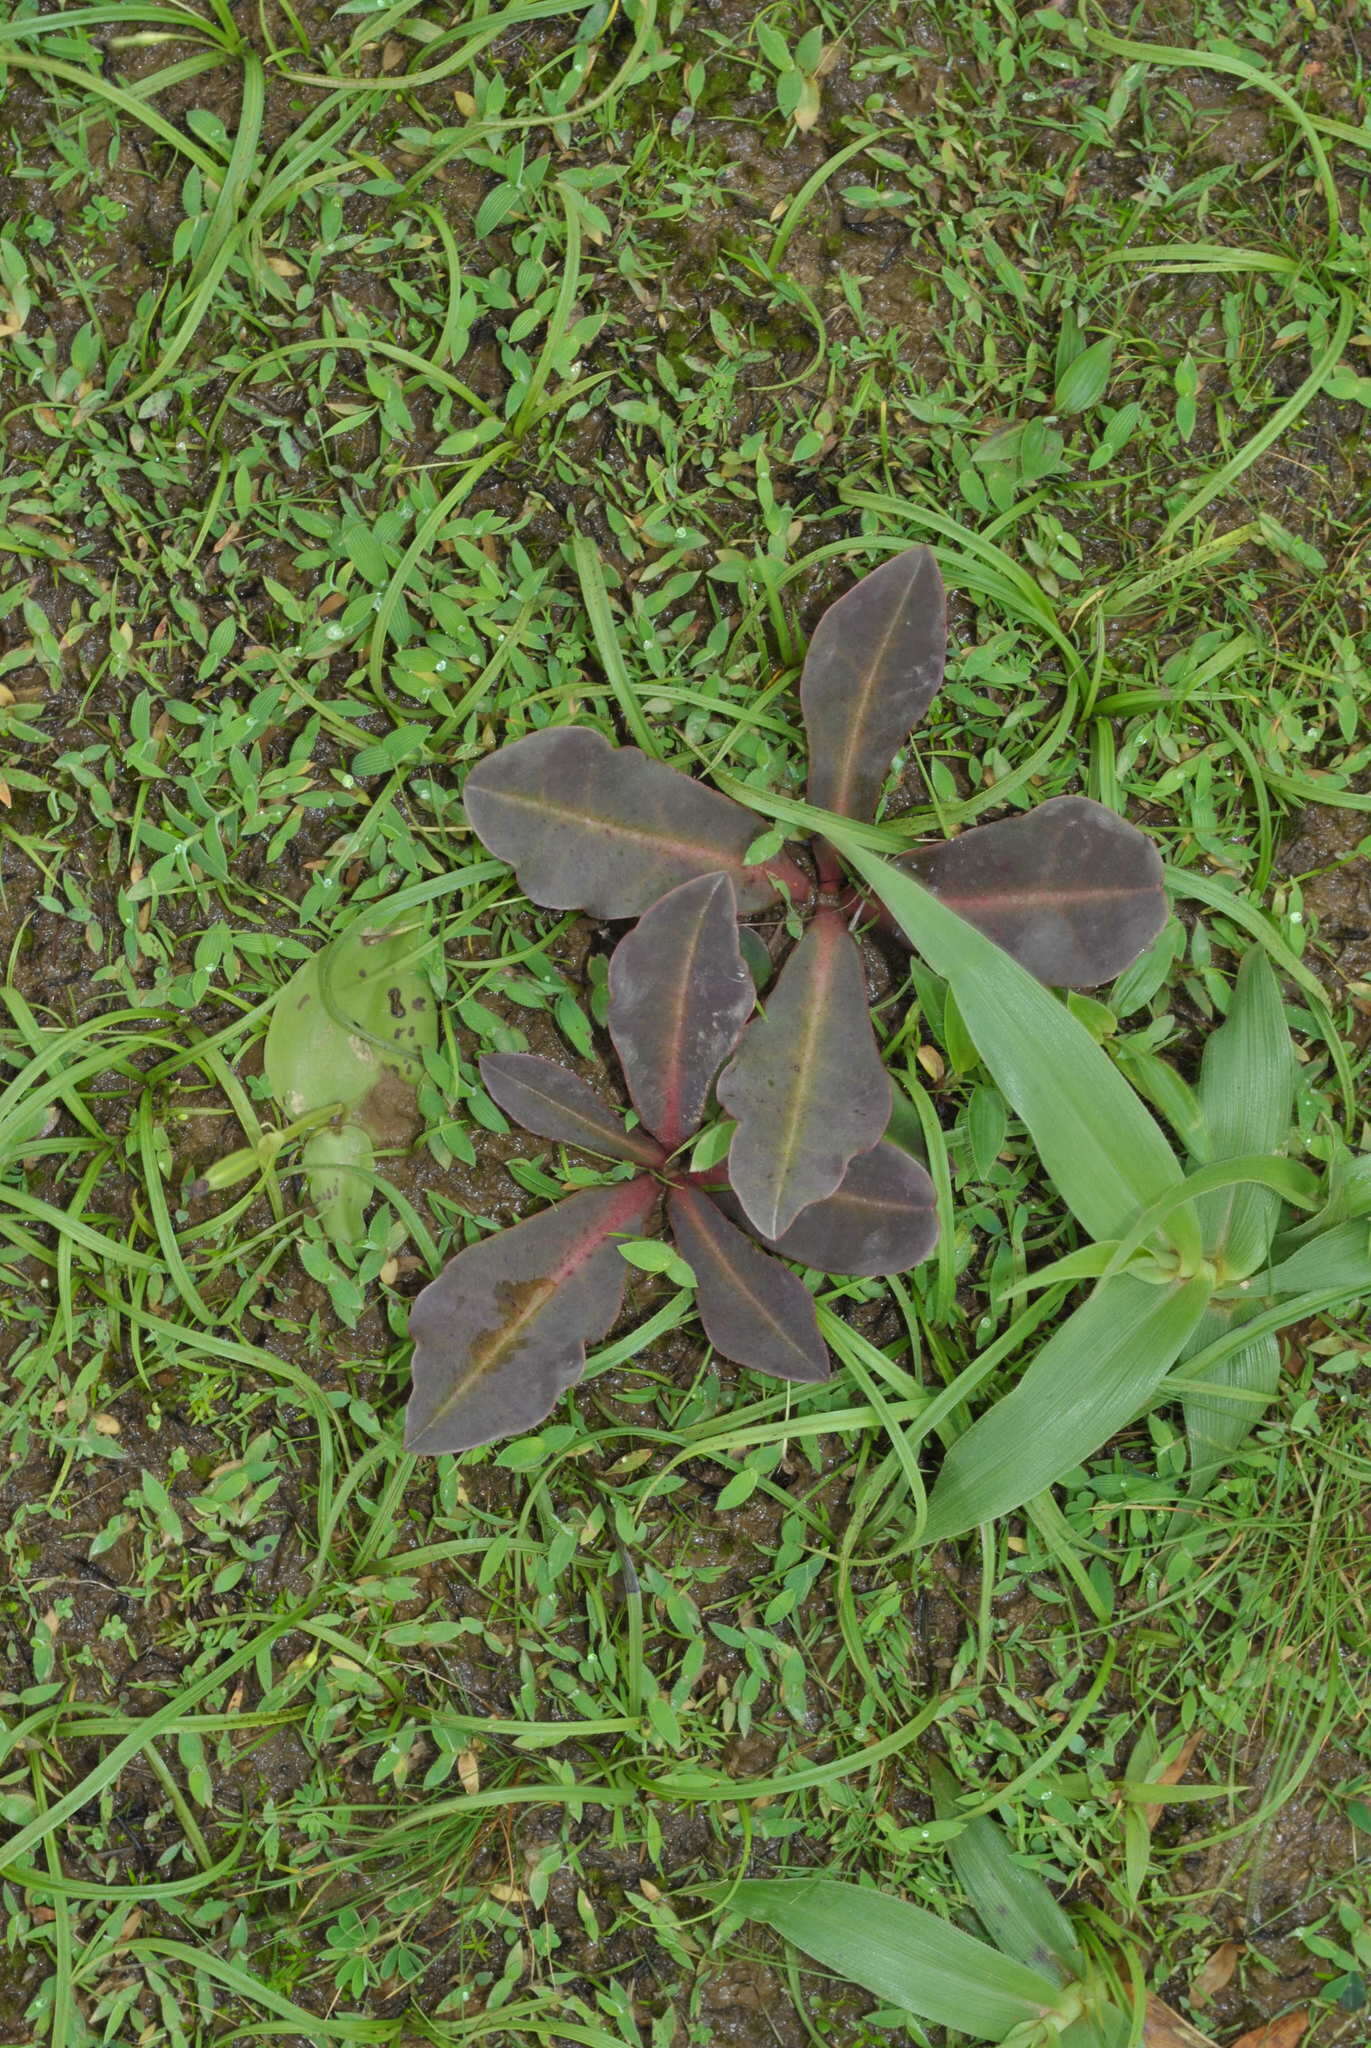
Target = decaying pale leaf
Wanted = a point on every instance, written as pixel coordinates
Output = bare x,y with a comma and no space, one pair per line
1163,2028
1215,1972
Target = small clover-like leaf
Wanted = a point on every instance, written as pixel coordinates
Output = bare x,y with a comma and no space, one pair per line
679,996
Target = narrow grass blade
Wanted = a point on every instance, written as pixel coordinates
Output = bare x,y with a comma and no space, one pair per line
554,1103
1340,1257
1070,889
502,1332
591,574
679,996
901,1953
1011,1902
872,670
1246,1091
754,1309
807,1084
1105,1153
1088,1382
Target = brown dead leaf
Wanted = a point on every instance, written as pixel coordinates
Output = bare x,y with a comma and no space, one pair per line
1281,2033
469,1772
1215,1972
1163,2028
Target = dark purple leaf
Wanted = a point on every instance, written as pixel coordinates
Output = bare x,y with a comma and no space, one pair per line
588,826
553,1103
872,670
881,1219
806,1084
502,1332
754,1310
679,996
1071,889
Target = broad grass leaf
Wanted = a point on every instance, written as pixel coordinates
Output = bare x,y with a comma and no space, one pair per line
1090,1379
1216,1426
1012,1903
554,1103
1246,1091
588,826
679,996
1107,1156
1070,889
1340,1257
754,1310
1167,1091
901,1953
359,1007
502,1332
806,1085
872,670
1106,2027
881,1218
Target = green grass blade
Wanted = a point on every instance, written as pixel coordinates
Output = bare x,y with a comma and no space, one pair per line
1088,1382
1011,1901
1340,1257
1210,891
1246,1092
1235,65
1215,1427
900,1953
590,572
1107,1156
1271,430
